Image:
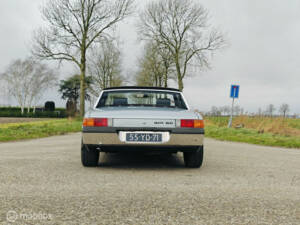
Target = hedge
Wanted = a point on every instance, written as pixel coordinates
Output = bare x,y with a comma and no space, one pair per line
16,112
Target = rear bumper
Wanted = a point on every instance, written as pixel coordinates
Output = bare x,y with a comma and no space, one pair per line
143,148
112,139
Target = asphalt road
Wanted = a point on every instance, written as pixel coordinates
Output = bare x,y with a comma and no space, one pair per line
43,182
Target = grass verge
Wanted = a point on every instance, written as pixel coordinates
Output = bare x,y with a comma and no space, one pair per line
215,128
252,136
40,129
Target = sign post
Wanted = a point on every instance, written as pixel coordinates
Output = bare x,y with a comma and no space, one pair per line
234,93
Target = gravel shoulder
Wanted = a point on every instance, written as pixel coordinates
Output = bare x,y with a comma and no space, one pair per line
238,184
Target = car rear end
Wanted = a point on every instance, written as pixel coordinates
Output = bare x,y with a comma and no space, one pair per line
142,128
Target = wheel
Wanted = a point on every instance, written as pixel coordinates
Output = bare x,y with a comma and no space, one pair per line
193,159
89,156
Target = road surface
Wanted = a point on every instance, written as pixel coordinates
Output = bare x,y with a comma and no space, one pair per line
43,182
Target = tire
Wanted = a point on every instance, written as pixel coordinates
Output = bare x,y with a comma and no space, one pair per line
89,156
193,159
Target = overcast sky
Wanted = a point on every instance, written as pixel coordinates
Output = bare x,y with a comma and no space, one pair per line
263,55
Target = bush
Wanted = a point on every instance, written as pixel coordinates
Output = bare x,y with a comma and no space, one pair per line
49,106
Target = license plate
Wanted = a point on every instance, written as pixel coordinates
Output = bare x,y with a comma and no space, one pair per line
144,137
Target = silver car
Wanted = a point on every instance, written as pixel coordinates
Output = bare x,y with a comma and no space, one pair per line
142,119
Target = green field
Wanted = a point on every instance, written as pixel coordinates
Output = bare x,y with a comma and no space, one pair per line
39,129
257,130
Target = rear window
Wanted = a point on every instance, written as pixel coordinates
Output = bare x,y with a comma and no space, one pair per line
141,98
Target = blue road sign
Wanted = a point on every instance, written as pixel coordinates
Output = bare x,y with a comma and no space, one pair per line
234,92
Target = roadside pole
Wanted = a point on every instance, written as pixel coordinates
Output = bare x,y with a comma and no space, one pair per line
234,93
231,115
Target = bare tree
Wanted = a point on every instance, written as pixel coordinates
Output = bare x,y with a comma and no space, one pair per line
43,78
215,111
260,113
4,95
74,27
270,110
181,27
284,109
150,73
237,110
26,80
105,67
226,110
155,66
167,63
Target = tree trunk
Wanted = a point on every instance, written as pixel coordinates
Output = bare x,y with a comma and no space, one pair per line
160,81
82,93
166,79
104,82
110,80
179,75
166,83
29,106
180,84
82,82
166,72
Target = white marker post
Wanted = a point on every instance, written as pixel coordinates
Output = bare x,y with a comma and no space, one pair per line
234,93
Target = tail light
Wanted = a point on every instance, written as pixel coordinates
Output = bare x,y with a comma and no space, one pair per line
95,122
192,123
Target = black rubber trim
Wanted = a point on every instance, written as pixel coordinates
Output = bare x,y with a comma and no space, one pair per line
117,129
143,148
141,87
